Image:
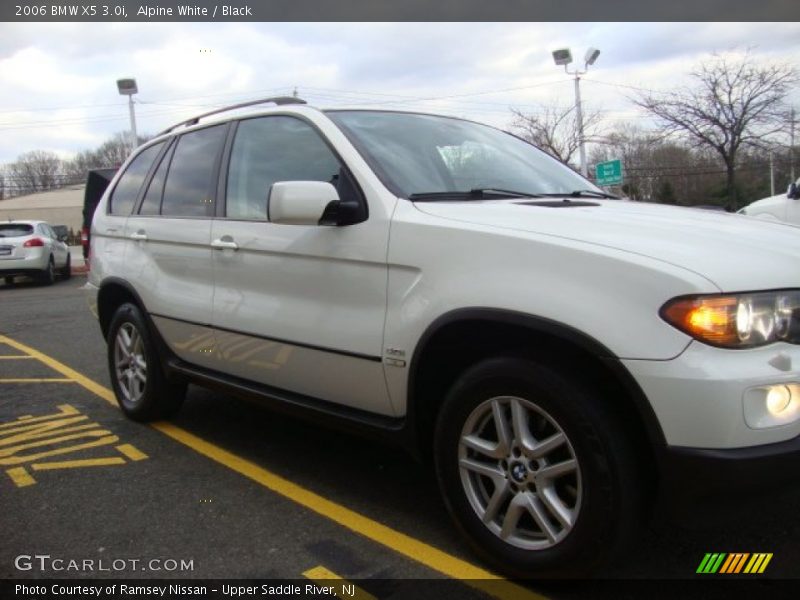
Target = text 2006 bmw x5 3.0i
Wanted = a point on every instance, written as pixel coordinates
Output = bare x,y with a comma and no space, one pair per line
561,355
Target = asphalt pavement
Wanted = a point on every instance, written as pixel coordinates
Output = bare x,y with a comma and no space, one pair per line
230,490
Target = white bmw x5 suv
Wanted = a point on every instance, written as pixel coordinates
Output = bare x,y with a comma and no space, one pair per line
561,355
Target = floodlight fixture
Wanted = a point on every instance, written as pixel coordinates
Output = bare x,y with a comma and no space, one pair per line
563,56
127,87
591,56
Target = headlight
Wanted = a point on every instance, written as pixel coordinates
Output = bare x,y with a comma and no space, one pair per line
737,320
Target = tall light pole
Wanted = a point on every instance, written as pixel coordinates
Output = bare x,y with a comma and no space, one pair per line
127,87
564,57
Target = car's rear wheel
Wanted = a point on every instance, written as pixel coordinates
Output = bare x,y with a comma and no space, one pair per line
48,275
535,470
66,272
142,390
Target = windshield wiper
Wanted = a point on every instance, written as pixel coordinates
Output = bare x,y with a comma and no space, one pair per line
474,194
581,194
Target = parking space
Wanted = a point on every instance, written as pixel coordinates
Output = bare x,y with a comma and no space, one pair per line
237,492
89,484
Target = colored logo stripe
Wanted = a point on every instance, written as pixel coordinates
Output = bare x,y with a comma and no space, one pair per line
733,563
758,563
711,563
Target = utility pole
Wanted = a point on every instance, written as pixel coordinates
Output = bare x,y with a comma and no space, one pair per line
771,175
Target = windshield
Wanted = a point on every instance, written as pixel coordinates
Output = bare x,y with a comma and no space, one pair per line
417,155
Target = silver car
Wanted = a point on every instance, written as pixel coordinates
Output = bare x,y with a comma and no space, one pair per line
32,248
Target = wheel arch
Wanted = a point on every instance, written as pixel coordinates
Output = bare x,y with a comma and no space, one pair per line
113,293
459,339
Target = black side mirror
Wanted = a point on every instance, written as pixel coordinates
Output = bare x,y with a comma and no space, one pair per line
793,192
63,238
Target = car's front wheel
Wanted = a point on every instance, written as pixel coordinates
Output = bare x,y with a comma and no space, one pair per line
535,470
142,390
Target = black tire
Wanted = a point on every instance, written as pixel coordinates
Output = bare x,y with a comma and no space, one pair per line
141,400
66,272
48,276
603,497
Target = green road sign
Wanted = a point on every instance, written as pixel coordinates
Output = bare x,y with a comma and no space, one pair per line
609,173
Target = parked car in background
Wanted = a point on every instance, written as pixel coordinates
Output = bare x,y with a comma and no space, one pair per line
782,207
34,249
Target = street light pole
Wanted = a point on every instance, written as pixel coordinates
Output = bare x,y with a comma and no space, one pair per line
128,87
564,57
134,136
579,113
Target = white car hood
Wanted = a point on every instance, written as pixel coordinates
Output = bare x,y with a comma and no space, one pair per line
735,252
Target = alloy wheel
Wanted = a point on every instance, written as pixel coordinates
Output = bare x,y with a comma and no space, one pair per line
520,472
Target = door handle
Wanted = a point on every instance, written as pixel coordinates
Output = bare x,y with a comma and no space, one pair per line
225,243
140,236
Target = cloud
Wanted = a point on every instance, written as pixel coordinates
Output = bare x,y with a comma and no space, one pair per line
58,92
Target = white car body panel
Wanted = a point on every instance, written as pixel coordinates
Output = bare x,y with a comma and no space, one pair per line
778,208
272,308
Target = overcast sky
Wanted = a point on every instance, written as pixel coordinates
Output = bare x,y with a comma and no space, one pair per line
58,90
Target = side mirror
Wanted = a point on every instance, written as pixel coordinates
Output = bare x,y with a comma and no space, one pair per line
63,238
302,203
793,192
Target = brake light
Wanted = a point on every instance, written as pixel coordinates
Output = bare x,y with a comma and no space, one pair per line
33,243
85,235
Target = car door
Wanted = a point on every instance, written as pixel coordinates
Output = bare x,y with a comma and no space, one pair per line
168,258
298,307
58,248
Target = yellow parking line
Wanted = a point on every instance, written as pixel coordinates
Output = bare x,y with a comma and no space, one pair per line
323,576
97,389
20,476
37,380
132,452
15,357
78,464
412,548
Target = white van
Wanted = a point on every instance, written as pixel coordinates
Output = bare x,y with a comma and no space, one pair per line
783,207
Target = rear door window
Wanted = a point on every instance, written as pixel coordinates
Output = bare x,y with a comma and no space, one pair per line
189,190
124,195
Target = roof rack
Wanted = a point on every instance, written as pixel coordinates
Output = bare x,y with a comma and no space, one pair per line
277,100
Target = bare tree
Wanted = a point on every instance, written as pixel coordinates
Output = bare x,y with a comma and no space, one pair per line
35,171
111,153
734,103
555,129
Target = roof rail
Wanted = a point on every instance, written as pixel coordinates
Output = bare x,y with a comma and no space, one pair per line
277,100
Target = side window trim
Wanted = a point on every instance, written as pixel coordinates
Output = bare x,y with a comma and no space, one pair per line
222,192
145,181
162,155
222,180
